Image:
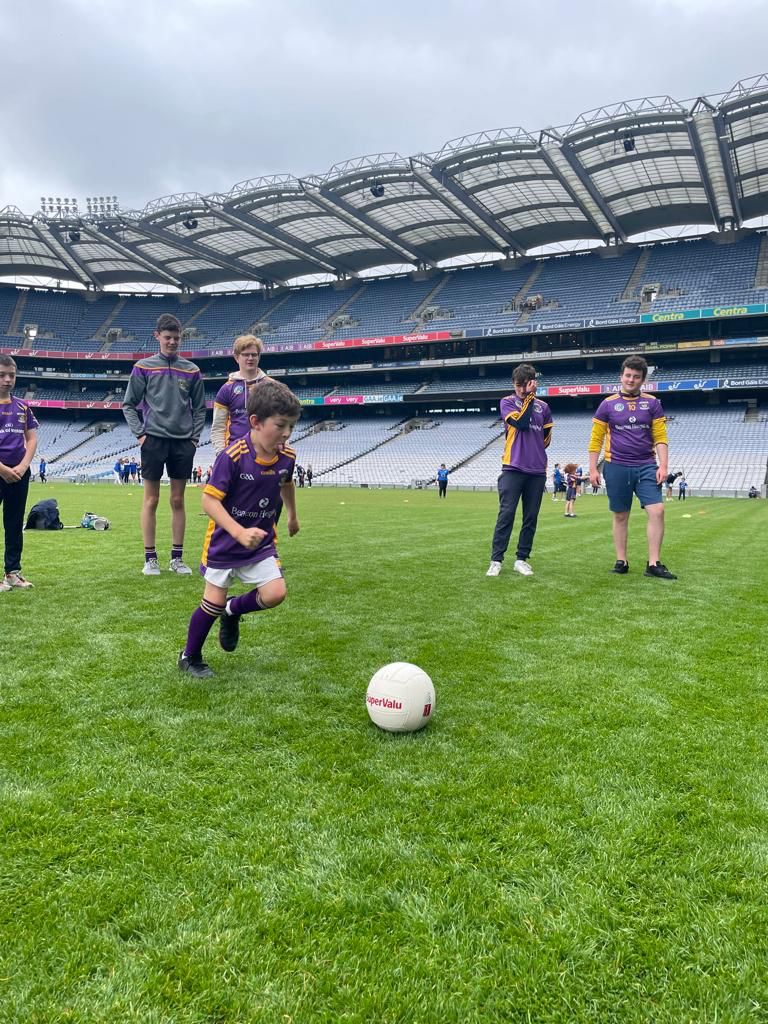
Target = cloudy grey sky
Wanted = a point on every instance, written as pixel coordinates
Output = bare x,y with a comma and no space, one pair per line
141,99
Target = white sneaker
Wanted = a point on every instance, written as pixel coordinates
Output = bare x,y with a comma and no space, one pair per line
151,567
523,568
179,566
15,579
494,569
4,586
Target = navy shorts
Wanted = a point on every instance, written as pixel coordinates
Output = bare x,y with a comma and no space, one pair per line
622,482
570,494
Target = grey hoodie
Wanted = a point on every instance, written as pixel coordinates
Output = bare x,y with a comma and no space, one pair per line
165,397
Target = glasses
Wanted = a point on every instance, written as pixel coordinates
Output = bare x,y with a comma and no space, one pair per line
250,355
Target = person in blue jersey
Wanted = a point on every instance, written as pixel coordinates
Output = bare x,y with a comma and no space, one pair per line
682,488
632,426
528,425
230,419
557,481
442,480
164,405
18,443
43,471
251,480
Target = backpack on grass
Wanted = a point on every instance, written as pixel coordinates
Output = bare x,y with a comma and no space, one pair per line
44,516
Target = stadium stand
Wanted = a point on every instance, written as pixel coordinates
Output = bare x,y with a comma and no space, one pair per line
551,290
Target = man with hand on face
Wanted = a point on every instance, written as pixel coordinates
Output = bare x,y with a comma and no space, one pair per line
528,424
632,425
164,406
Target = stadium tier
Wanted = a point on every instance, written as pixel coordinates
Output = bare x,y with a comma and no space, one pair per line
551,292
719,450
420,383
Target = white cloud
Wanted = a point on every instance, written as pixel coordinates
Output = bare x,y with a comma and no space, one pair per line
142,99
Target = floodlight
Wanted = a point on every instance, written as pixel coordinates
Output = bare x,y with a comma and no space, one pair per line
377,190
74,236
190,223
629,142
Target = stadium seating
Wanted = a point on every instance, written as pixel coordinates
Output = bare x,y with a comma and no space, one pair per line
692,274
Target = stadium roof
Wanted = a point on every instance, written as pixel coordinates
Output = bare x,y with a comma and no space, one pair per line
617,171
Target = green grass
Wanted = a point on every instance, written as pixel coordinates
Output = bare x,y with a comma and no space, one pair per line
580,835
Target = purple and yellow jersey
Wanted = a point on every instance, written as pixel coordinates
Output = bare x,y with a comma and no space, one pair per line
630,426
231,400
249,489
528,425
16,418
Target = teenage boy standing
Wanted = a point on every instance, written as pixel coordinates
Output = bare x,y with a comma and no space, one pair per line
164,406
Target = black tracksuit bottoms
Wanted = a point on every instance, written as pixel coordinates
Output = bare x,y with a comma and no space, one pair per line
14,499
514,485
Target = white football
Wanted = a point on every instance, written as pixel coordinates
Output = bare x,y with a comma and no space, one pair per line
400,697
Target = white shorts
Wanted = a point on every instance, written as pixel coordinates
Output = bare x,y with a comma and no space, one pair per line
254,575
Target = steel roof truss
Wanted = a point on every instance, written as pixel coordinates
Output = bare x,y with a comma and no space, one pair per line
130,251
63,255
87,275
584,194
707,152
439,180
242,270
722,134
360,220
282,240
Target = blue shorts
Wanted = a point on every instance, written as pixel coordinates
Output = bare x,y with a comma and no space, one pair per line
622,482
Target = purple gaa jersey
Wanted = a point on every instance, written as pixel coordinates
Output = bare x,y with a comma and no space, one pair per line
631,426
231,398
525,449
16,418
249,489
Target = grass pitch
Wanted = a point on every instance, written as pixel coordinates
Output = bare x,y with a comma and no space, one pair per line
578,836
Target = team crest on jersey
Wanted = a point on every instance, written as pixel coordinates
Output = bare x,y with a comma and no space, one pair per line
183,385
237,391
619,407
537,406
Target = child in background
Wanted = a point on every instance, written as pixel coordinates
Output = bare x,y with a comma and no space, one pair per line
572,481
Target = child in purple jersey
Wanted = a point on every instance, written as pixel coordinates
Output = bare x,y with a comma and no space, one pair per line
250,482
573,479
632,426
230,419
528,425
18,443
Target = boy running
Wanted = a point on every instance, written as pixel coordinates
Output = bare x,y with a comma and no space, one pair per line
250,482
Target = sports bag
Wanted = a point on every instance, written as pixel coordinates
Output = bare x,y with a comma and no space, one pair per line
92,521
44,516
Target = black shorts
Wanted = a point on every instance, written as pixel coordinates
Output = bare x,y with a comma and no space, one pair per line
158,453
